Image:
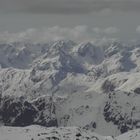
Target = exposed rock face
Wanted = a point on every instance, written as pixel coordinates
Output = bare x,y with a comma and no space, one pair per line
123,113
46,112
16,111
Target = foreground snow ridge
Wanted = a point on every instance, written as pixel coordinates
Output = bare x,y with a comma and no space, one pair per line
42,133
35,132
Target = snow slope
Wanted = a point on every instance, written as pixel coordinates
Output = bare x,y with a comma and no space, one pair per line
132,135
35,132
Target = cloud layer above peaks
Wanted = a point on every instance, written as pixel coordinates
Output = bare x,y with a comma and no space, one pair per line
78,33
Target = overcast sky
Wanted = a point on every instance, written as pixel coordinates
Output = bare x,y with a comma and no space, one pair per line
102,18
67,6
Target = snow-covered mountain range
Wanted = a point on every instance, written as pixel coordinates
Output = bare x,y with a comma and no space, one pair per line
65,84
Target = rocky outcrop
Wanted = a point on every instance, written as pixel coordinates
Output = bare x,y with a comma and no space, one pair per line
16,111
123,113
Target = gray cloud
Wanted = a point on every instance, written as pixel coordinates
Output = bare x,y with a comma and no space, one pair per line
138,29
68,6
109,30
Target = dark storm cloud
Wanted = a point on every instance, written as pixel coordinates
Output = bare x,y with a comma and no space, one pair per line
67,6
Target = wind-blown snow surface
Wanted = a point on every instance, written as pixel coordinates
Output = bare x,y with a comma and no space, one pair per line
41,133
35,132
65,84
